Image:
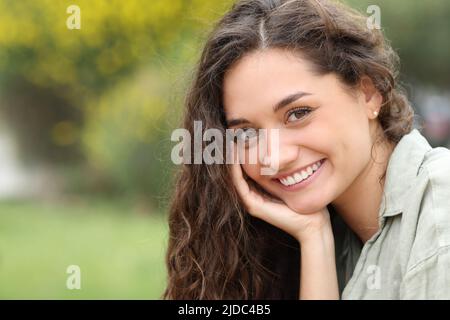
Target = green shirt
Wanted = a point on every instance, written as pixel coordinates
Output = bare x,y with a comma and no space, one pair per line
409,256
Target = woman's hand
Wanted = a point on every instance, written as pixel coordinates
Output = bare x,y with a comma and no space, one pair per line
302,227
318,278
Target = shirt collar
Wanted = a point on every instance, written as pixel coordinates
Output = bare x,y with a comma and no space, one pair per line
403,167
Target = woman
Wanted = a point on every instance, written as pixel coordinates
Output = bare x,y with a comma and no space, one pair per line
359,207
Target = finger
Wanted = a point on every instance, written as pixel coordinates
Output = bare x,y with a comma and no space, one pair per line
239,181
237,175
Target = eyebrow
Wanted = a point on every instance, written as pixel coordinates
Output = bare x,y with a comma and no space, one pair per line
284,102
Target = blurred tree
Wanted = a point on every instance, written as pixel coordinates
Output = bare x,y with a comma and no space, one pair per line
126,134
116,37
75,95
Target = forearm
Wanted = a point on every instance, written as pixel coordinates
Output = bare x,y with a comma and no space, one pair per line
318,277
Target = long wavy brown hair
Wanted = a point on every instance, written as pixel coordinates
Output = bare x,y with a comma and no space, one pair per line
216,249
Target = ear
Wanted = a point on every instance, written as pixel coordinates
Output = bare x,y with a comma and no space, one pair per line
371,97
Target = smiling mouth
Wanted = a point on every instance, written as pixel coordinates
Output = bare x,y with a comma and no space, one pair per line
301,175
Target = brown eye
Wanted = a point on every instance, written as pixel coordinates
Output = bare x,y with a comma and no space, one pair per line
298,113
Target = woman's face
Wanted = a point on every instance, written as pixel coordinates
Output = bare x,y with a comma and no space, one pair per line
325,133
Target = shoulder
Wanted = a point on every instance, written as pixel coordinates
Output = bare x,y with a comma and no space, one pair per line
433,225
436,165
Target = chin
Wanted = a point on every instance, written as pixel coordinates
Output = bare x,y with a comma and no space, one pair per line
306,209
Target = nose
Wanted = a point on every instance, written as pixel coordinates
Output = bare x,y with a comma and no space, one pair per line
277,150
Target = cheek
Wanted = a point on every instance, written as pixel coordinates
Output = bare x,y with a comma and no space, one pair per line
252,170
346,117
352,157
349,140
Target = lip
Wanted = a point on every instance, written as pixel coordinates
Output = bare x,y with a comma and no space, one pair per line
304,183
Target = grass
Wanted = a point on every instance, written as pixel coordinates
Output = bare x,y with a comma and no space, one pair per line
120,254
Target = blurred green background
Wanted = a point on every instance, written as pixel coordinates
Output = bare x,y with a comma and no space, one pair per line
85,123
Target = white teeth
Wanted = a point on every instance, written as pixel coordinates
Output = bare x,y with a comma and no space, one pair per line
304,174
300,176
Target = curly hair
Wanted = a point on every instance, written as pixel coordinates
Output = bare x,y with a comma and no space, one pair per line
216,249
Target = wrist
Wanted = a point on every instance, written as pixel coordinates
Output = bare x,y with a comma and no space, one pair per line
315,237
